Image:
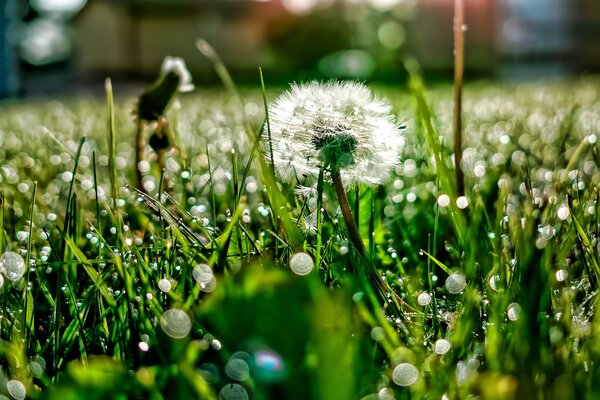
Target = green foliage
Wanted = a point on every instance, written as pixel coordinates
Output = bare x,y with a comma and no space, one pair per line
507,277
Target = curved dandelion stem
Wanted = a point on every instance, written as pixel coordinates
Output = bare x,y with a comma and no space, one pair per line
358,243
140,143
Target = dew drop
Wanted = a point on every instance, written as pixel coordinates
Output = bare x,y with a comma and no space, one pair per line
563,212
143,346
513,311
12,265
405,374
441,346
424,299
561,275
455,283
175,323
164,285
301,263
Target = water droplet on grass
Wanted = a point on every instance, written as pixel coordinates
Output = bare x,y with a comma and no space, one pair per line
424,299
563,212
16,389
12,265
143,346
455,283
441,346
561,275
386,394
164,285
301,263
209,286
175,323
405,374
233,391
513,311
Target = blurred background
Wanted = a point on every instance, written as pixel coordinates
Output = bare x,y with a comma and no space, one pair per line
70,46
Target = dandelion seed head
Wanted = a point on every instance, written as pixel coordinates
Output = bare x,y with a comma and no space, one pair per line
337,125
177,65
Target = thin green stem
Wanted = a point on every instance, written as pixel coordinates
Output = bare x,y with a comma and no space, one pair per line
459,46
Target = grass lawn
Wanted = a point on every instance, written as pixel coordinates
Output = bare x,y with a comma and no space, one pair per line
224,281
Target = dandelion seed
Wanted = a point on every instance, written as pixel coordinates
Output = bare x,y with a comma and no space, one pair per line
177,65
341,125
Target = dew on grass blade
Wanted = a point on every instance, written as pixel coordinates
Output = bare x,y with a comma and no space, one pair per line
175,323
462,202
164,285
16,389
455,283
561,275
301,263
424,299
405,374
563,212
233,391
513,311
386,394
12,265
441,346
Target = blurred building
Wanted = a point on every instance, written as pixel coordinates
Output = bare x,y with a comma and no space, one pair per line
302,39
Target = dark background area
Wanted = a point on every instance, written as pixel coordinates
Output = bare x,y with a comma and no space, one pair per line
70,46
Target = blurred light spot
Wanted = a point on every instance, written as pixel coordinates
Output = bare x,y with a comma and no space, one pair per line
443,200
405,374
69,7
300,6
233,391
347,63
269,366
391,35
441,346
301,263
462,202
16,389
455,283
377,334
44,41
237,369
175,323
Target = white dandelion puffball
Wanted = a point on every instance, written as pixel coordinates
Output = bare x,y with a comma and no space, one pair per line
333,125
177,65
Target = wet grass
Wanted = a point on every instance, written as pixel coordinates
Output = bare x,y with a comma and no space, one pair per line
189,291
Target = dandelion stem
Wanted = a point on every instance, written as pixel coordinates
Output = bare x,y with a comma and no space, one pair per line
459,50
357,241
139,153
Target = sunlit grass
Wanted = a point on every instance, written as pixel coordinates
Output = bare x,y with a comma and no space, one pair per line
191,292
